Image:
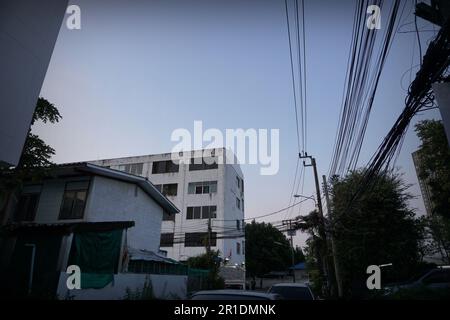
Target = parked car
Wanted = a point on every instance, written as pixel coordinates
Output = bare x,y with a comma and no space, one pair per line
233,295
292,291
436,278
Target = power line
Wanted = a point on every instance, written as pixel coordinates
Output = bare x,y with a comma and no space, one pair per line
292,74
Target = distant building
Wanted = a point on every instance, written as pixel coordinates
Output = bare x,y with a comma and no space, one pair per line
105,221
201,190
424,186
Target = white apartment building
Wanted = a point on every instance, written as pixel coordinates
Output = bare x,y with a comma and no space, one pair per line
207,191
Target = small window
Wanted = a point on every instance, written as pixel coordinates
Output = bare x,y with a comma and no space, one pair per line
243,247
238,248
193,213
238,224
74,200
201,212
170,189
168,217
164,167
205,187
166,240
209,212
199,239
27,207
238,203
197,164
132,168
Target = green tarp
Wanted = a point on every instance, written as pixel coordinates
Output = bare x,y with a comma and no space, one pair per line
97,255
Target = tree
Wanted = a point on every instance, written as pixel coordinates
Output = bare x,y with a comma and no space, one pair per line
34,160
267,249
375,228
434,154
209,261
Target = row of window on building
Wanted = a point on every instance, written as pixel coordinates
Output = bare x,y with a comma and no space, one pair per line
196,239
168,166
204,187
72,207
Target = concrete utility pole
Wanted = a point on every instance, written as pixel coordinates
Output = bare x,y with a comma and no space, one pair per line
322,232
333,247
208,248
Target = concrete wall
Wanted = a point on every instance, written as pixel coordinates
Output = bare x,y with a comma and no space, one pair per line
28,32
224,199
112,200
164,287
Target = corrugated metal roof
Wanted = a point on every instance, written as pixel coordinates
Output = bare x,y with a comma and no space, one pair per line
142,182
146,255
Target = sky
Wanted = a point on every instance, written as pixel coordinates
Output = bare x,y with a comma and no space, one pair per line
138,70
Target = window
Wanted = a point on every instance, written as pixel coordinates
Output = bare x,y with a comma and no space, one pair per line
204,212
193,213
74,200
238,182
243,247
238,224
27,206
238,248
169,189
133,168
199,239
166,240
238,203
209,212
196,165
168,217
202,187
242,207
164,167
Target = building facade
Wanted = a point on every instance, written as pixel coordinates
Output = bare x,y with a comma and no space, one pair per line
28,33
209,193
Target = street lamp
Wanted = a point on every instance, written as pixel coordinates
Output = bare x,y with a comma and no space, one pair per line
305,197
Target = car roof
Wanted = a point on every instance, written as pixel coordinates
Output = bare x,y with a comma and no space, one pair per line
235,292
301,285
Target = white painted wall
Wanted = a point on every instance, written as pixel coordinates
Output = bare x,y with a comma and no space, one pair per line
113,200
164,287
108,200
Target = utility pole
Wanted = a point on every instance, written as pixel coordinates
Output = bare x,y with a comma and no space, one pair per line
333,247
208,248
291,232
321,226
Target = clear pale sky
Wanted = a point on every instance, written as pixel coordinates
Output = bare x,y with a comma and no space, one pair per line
137,70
